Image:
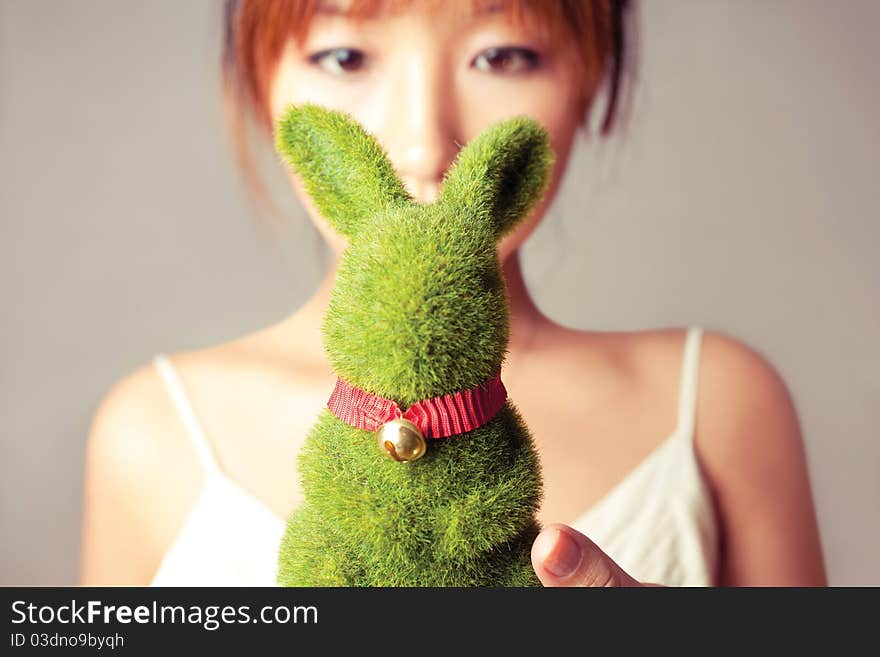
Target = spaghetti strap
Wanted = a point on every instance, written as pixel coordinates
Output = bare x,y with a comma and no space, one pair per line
193,428
687,394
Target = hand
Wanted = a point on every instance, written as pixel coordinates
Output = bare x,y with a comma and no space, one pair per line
562,556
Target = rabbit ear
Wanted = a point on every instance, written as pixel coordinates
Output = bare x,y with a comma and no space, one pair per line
501,174
344,169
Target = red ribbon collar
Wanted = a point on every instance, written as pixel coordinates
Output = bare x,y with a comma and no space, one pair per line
438,417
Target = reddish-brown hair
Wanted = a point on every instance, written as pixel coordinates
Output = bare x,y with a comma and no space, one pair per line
256,32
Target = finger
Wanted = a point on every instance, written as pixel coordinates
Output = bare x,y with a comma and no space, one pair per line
562,556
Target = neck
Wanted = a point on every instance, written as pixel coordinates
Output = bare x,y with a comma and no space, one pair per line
525,316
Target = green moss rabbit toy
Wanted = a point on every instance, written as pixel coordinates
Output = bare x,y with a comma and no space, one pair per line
420,471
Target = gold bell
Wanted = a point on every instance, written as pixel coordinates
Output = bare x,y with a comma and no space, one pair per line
401,440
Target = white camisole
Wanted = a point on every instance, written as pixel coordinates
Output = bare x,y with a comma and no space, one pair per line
658,524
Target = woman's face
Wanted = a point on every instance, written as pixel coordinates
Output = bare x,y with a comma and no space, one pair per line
424,83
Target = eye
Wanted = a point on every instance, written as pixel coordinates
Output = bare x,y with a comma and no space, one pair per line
339,61
506,59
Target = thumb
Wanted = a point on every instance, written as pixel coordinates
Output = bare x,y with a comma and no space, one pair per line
562,556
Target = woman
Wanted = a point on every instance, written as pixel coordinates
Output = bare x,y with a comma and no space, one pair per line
669,456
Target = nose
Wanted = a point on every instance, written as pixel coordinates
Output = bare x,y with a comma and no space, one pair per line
420,123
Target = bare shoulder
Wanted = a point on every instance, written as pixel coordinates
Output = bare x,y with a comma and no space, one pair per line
750,448
737,385
134,450
746,416
748,438
254,402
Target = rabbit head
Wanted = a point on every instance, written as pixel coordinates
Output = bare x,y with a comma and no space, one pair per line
419,307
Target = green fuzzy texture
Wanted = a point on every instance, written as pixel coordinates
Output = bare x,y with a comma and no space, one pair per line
419,309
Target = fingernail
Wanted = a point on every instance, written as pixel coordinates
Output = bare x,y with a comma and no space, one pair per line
563,555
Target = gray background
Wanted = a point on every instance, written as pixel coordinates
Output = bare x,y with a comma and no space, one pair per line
742,197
